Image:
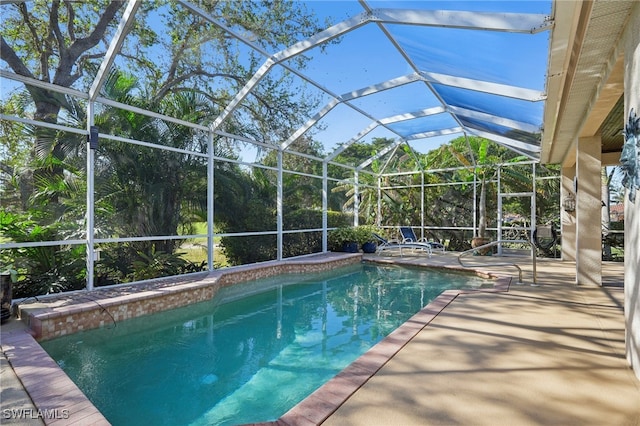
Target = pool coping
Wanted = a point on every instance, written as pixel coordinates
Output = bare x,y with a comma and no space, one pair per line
59,401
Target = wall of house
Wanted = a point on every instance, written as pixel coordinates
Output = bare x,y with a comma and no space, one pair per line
631,45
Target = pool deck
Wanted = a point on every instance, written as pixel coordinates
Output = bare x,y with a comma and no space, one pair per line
522,355
553,354
547,355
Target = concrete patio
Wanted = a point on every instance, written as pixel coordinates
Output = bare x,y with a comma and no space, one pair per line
547,355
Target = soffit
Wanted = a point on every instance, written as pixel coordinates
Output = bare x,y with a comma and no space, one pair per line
592,78
611,130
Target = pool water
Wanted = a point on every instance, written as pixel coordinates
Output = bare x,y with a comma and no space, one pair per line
241,359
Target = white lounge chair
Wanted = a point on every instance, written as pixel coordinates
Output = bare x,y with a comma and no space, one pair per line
408,236
384,244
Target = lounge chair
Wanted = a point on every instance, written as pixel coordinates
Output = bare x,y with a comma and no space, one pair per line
384,244
408,236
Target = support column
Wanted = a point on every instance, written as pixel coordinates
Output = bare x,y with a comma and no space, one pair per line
279,205
210,202
90,217
589,211
356,198
568,218
325,205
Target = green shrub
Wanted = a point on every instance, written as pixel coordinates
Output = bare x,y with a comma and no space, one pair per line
364,234
45,269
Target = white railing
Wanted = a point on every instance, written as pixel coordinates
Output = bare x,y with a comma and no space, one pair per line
494,243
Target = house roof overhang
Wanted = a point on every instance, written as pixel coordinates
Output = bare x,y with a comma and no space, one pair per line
585,80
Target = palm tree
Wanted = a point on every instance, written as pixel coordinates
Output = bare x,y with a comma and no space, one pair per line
481,158
151,191
473,152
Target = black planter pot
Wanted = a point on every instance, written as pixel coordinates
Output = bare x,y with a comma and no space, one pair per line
350,247
6,287
369,247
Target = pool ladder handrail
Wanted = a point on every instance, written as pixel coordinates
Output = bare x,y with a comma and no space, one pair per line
495,243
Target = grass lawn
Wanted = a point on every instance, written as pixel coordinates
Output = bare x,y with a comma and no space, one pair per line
195,249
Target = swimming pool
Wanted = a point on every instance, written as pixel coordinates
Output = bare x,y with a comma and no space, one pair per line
238,358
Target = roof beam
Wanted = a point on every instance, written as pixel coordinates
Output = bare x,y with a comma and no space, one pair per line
484,86
432,134
255,79
29,81
351,141
323,36
501,121
412,115
380,154
502,140
380,87
506,22
310,123
128,18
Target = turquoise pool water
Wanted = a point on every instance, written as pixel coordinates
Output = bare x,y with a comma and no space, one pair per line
251,353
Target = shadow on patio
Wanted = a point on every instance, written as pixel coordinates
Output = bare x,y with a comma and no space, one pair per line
552,354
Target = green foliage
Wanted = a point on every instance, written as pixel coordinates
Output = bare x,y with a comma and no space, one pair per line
304,242
338,237
344,231
44,269
243,250
337,218
364,234
350,234
245,205
126,262
159,264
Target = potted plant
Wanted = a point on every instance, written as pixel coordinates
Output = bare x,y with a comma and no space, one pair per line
344,239
365,238
7,278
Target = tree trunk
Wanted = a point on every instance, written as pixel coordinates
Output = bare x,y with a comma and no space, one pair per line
482,210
